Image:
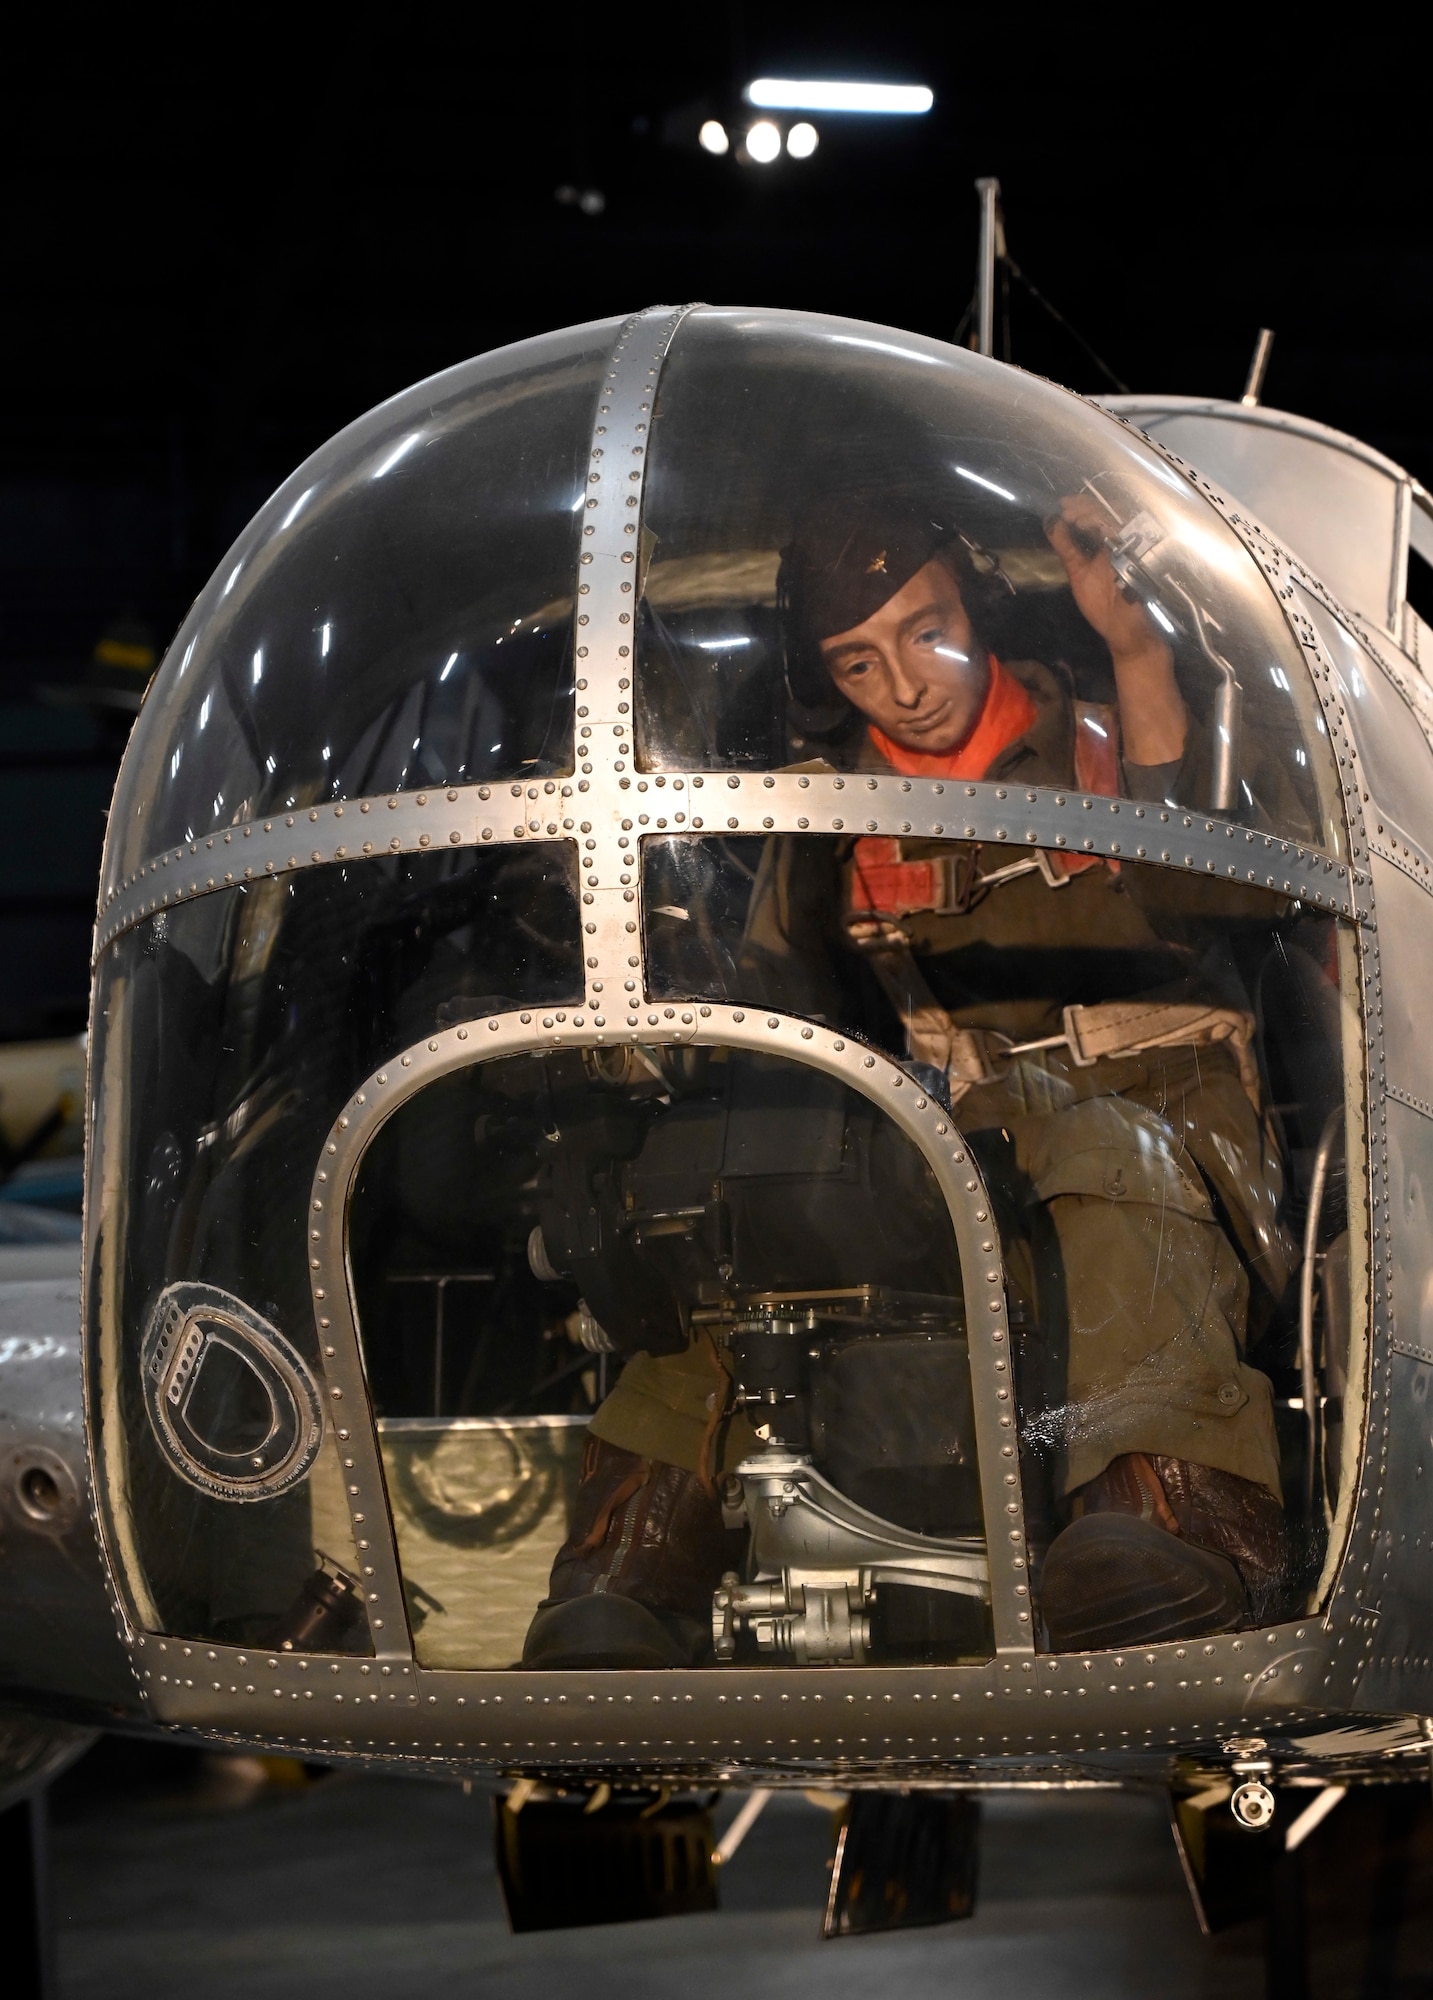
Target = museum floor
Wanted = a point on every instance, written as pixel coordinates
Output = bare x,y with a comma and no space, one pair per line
169,1881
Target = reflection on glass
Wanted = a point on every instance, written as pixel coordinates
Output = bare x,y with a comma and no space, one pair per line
863,553
207,1136
399,614
1391,728
1151,1067
690,1322
478,1505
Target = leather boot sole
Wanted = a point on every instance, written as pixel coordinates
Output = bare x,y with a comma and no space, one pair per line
1114,1580
604,1630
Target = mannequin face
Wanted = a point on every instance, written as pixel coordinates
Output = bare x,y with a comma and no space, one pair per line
914,667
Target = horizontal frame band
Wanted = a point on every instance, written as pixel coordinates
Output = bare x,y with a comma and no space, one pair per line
720,802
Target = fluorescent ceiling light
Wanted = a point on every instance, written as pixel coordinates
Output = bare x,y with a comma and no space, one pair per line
780,93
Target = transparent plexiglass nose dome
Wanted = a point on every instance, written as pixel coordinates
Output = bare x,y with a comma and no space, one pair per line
615,888
765,424
398,615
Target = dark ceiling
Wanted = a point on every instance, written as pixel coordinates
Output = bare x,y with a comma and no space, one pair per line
214,256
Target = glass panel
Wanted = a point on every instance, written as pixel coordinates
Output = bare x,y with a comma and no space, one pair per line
1419,587
1151,1068
398,615
873,550
1393,743
480,1505
1334,507
744,1276
229,1033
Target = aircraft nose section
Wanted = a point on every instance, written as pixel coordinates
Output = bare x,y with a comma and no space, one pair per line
726,998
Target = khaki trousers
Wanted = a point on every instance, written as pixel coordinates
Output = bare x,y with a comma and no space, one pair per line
1135,1198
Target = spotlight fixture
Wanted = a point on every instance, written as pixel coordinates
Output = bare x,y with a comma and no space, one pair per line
801,141
763,142
712,138
591,201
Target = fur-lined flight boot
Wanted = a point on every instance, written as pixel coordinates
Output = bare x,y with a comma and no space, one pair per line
632,1585
1162,1549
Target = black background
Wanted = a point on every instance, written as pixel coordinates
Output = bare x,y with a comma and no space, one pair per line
224,236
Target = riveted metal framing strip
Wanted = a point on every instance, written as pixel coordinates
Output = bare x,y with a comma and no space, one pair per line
924,1120
597,812
1103,1713
1284,572
1350,1625
1367,1579
1079,823
1395,663
605,790
608,807
1401,851
1385,837
1402,1096
348,831
1416,1350
1352,1615
609,583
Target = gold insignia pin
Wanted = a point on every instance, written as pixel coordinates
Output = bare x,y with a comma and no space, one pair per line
877,565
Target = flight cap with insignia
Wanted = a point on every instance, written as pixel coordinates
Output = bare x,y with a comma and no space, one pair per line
849,557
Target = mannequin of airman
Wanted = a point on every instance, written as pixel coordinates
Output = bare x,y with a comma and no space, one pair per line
1074,1014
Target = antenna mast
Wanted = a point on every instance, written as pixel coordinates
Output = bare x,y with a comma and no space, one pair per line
1258,367
992,245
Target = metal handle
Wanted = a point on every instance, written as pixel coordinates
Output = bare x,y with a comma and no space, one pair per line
1308,1382
1228,713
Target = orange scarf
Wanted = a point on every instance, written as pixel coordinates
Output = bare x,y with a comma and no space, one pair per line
1007,714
